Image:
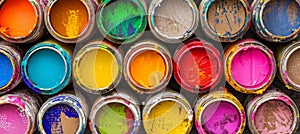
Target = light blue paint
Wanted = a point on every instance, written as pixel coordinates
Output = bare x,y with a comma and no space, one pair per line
6,70
46,68
282,17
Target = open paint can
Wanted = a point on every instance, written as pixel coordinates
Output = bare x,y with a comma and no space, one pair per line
10,66
272,112
250,66
18,112
22,21
173,21
198,66
116,113
64,113
46,67
70,21
103,62
289,67
225,20
148,67
122,21
219,112
167,112
276,20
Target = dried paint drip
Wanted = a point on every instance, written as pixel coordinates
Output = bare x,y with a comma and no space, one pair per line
13,119
122,20
226,17
167,117
293,66
115,118
273,117
61,119
281,17
69,18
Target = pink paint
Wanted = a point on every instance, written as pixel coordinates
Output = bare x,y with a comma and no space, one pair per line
273,117
221,118
251,67
12,120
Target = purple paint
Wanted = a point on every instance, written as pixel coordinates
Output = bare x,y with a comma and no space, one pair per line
13,120
221,118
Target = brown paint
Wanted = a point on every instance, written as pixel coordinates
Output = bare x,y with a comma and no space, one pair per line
293,67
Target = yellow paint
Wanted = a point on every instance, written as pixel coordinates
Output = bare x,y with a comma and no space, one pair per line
72,24
97,68
148,68
167,117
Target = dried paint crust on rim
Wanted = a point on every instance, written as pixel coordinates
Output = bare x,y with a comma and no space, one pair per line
204,7
90,6
65,99
143,47
213,55
39,28
97,45
253,103
243,45
65,54
258,7
167,38
218,96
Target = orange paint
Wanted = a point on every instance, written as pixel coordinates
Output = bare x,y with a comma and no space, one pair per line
148,69
17,18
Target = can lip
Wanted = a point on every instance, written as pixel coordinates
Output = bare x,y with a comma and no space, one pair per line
119,98
64,99
67,74
261,28
96,45
255,89
287,52
11,99
205,5
83,35
142,47
35,32
256,102
166,38
185,49
118,39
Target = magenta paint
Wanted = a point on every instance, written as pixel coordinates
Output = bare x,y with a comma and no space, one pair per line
221,118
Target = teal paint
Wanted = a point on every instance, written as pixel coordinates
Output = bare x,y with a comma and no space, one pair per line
6,70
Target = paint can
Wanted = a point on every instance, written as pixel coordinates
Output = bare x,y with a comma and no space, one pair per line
18,112
276,20
70,21
173,21
287,61
64,113
10,66
46,67
115,113
24,26
272,112
122,21
147,67
101,60
167,112
225,20
250,66
198,66
219,111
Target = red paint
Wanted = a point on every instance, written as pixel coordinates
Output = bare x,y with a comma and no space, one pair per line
197,66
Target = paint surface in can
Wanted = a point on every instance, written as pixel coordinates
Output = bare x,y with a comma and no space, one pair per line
293,67
6,70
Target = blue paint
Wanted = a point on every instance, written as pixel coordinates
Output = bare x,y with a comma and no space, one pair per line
46,68
52,116
282,17
6,70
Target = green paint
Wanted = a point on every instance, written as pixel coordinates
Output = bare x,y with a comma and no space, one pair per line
122,19
112,119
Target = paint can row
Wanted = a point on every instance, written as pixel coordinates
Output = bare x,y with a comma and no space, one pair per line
171,21
218,111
